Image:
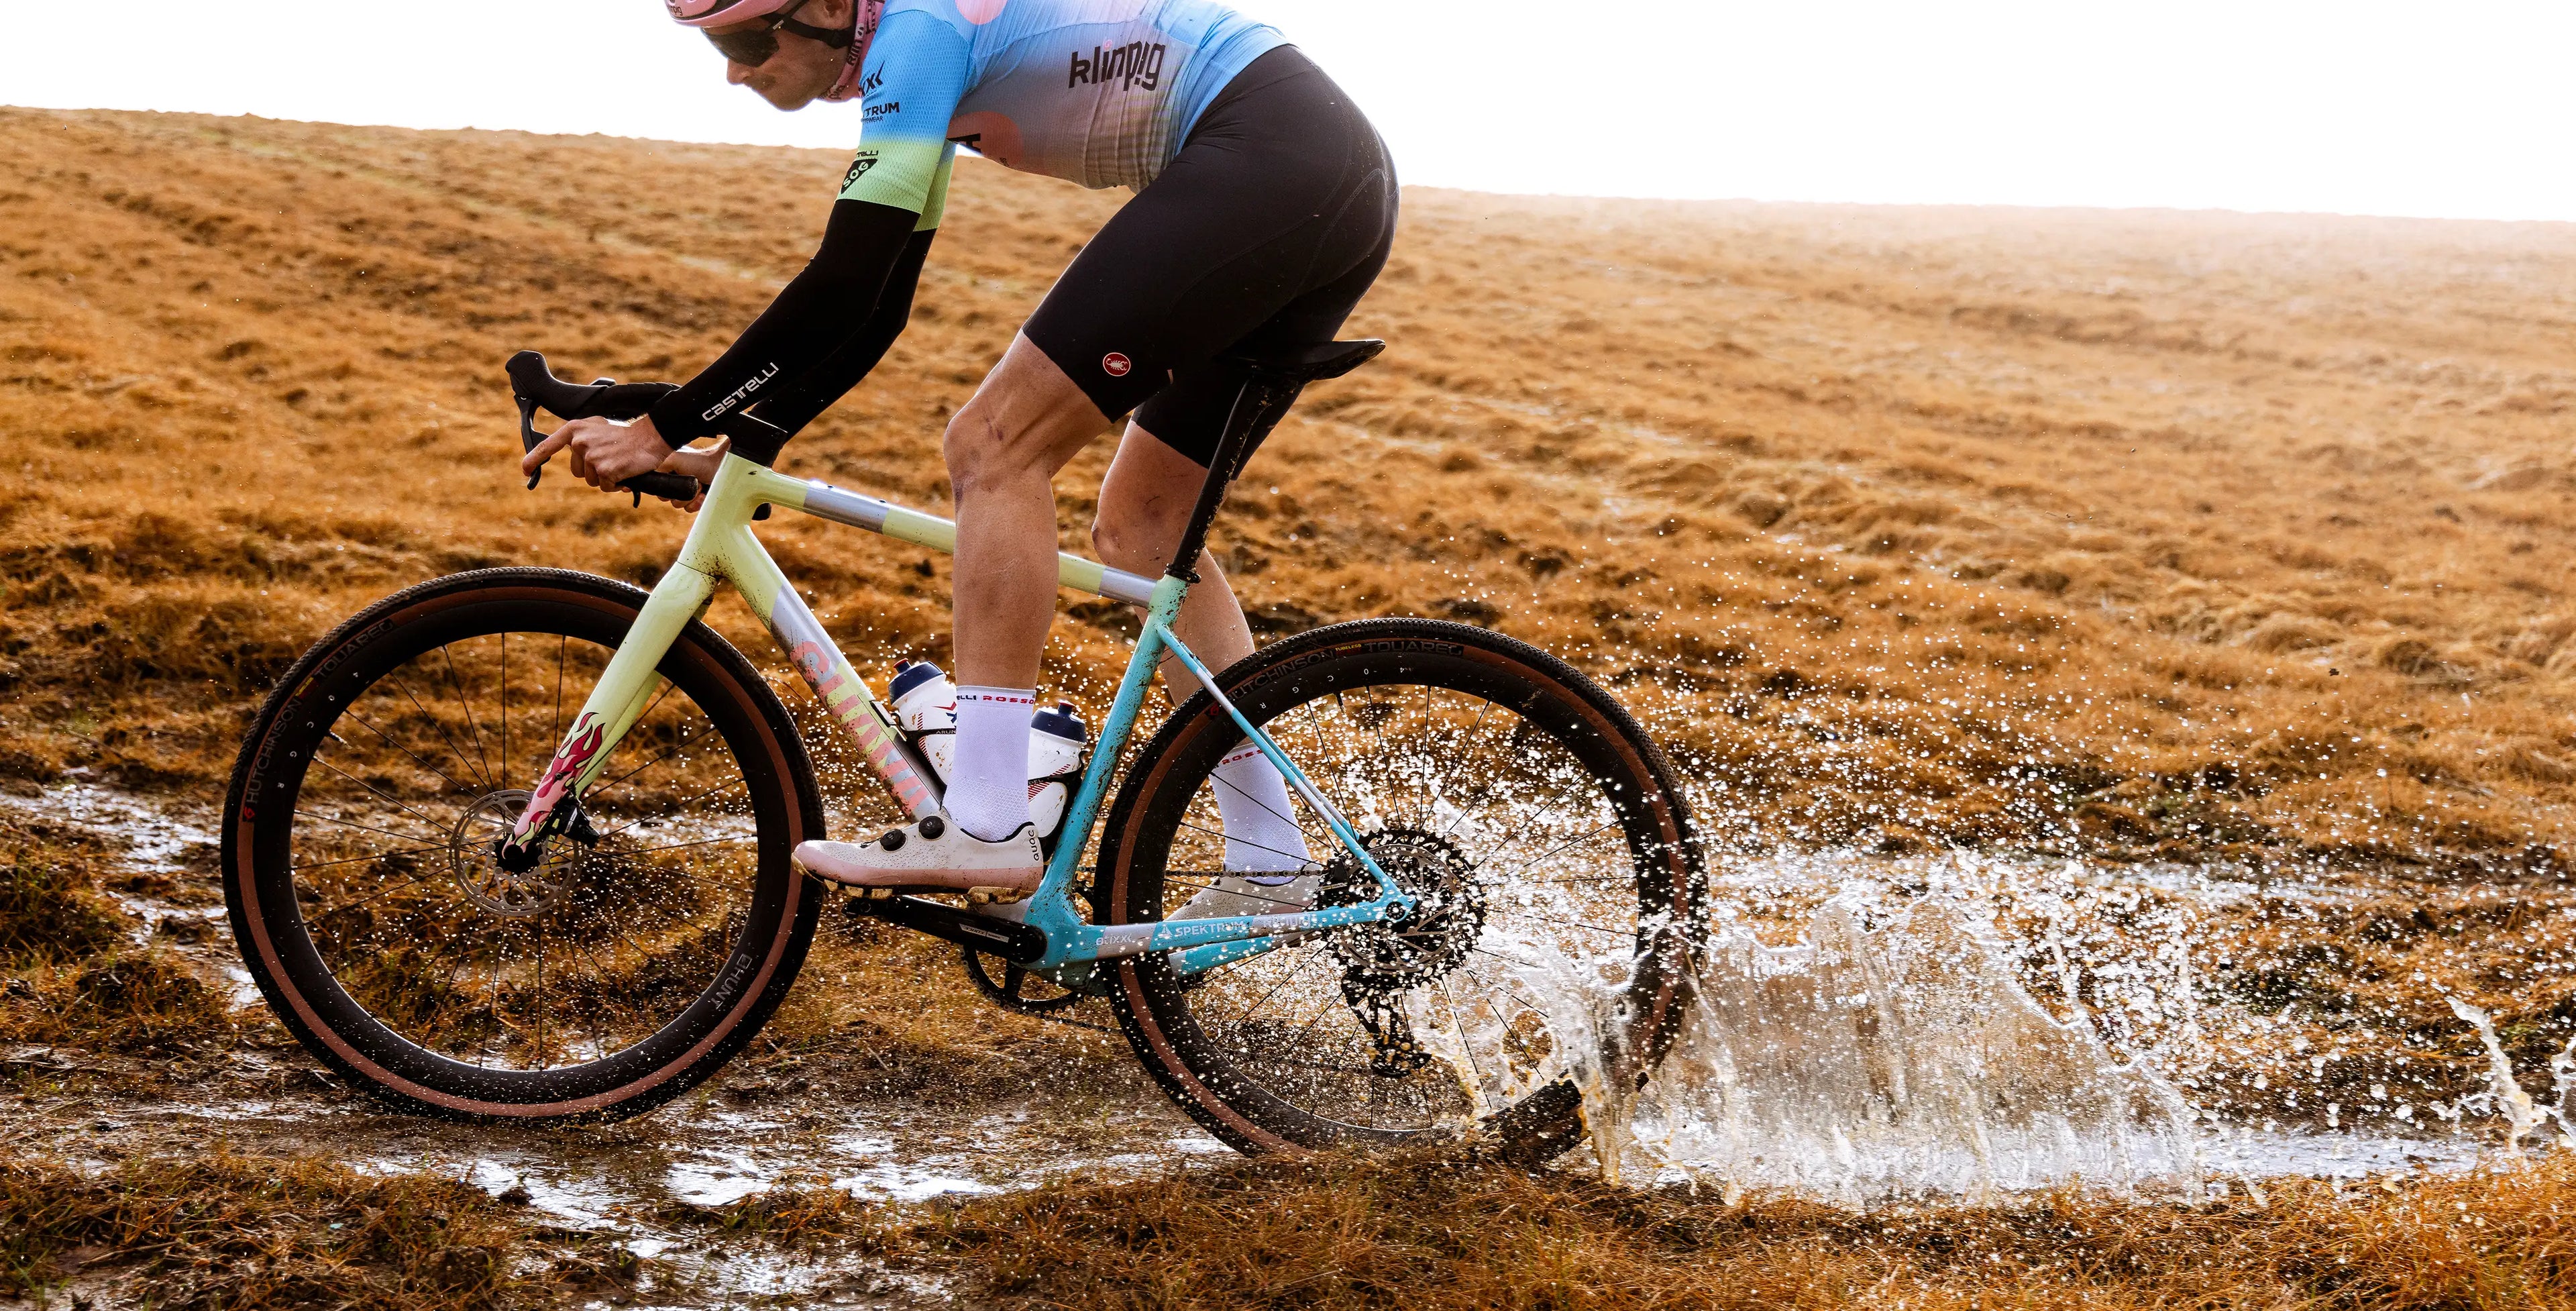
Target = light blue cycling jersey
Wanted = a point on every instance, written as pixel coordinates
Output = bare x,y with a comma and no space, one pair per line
1100,92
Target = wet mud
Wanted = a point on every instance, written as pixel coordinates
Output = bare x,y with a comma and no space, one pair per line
1866,1031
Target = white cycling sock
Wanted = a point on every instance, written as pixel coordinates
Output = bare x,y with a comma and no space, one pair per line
990,795
1261,833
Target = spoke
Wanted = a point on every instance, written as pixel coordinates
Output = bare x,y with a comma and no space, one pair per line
492,1002
1578,924
1570,842
1313,1020
601,969
1380,712
505,702
377,895
1285,978
598,792
352,860
1488,951
682,809
540,1057
1459,1032
415,757
443,734
1213,777
350,823
1220,833
683,846
1440,787
458,685
1505,986
555,732
1371,1075
372,790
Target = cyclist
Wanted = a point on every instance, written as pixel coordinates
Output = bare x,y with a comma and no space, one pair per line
1265,205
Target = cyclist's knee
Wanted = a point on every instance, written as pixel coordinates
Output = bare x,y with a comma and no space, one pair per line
1137,525
1130,541
978,449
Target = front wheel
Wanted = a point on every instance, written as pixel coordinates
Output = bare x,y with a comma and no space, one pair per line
1541,832
650,946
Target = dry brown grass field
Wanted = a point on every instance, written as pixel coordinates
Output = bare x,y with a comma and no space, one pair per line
2220,534
2239,541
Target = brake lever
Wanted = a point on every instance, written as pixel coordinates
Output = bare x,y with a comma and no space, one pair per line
529,437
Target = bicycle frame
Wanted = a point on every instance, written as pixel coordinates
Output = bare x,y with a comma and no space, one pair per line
722,549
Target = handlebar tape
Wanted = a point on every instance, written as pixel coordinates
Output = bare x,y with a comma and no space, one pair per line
668,486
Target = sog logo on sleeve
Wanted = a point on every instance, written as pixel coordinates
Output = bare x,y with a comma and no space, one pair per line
859,168
1136,62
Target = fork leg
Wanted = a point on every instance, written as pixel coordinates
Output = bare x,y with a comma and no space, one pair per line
610,710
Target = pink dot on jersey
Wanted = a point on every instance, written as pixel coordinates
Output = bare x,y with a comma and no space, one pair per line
980,12
992,135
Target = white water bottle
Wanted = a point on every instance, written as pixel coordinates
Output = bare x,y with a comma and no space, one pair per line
1057,743
925,706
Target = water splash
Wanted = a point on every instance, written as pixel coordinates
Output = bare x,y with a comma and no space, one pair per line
2521,1114
2562,1073
1866,1064
1967,1026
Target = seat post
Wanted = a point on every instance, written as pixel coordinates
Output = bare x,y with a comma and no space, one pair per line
1253,403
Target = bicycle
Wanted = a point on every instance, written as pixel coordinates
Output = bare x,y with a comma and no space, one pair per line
465,935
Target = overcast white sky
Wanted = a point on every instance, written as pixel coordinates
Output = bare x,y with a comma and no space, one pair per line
2448,108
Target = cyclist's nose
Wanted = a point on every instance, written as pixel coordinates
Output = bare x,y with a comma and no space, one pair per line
736,74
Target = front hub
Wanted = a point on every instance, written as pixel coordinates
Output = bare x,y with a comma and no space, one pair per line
484,878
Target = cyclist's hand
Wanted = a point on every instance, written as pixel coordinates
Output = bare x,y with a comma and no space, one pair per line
604,452
699,462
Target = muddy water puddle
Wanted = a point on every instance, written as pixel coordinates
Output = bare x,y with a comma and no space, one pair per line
640,1185
1867,1031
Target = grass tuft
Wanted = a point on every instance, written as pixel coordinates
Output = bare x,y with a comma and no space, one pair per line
138,1001
231,1231
51,909
1430,1234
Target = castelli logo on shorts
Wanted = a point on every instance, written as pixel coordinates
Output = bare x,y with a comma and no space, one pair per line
1116,365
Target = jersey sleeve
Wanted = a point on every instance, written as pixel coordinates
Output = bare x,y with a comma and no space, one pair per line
914,76
938,205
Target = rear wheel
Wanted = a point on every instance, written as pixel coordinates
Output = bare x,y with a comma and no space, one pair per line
1540,830
645,951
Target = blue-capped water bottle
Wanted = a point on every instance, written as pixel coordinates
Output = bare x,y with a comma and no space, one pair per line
1058,740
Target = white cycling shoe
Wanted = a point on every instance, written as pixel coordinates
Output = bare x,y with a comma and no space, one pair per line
1251,893
933,855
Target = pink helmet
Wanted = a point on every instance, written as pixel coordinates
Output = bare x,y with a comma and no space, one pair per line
724,13
717,13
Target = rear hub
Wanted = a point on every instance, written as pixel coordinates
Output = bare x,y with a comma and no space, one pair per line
1388,957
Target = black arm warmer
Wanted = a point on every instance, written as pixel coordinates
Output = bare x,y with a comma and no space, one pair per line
795,404
807,323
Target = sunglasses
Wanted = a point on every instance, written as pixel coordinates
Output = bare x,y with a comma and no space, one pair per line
755,46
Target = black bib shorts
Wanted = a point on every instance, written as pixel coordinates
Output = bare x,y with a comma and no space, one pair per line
1261,233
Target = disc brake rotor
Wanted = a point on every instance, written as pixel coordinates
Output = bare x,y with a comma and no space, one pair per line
511,895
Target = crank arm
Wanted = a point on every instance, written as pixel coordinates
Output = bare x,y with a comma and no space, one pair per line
1019,944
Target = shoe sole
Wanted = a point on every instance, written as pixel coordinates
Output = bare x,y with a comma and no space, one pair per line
979,894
